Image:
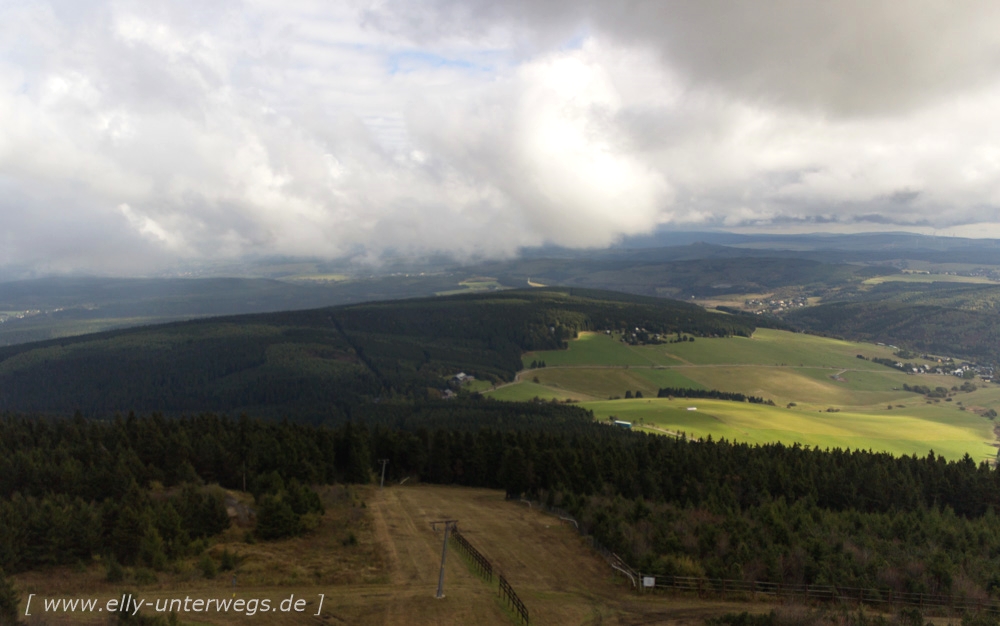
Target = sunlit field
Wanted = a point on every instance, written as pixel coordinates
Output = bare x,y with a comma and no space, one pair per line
822,394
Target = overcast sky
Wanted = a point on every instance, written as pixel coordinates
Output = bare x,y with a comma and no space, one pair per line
134,135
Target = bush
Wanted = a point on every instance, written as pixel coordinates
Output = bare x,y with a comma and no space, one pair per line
207,566
276,519
145,576
113,570
228,561
672,565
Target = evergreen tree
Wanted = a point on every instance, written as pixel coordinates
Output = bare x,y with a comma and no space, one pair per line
357,455
515,475
276,519
9,600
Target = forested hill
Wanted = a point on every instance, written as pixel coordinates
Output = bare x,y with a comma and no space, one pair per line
964,331
323,363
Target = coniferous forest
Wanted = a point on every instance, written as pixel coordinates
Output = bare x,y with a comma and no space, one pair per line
141,491
322,364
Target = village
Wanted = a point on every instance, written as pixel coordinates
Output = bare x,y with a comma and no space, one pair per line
773,305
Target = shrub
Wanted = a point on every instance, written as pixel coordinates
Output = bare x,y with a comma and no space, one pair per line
207,566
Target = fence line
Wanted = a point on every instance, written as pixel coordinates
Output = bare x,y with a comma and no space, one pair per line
513,602
615,561
824,593
482,563
819,593
506,592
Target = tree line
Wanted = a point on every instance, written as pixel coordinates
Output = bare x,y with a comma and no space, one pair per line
714,394
134,488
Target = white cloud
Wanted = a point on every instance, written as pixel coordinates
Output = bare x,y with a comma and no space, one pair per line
167,130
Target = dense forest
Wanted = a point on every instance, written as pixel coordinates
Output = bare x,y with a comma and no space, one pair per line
322,364
973,334
133,490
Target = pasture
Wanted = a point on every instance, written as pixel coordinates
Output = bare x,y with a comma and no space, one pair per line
599,349
929,278
901,432
804,375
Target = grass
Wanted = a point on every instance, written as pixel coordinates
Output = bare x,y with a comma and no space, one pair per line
525,391
318,562
472,285
928,278
598,349
602,383
389,577
812,373
916,431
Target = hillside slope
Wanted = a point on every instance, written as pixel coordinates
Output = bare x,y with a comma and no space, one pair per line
321,363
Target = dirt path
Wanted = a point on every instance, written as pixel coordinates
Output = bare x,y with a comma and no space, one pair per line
557,575
402,520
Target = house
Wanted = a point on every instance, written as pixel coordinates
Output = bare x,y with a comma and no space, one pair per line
622,424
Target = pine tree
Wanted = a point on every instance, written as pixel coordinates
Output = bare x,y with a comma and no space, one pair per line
9,600
276,519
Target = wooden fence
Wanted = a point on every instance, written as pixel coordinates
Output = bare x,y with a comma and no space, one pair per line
481,562
513,602
485,568
824,593
809,593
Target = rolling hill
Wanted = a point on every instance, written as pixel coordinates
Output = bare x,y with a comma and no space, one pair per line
320,363
823,395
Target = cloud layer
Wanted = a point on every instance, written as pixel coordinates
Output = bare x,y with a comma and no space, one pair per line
137,134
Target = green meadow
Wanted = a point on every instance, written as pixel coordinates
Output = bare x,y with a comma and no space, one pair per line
525,391
951,433
600,349
823,394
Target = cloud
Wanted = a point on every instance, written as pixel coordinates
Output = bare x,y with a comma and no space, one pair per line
844,58
549,145
141,134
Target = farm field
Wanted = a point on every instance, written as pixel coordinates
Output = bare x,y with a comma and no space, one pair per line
766,347
390,577
929,278
804,375
600,349
900,432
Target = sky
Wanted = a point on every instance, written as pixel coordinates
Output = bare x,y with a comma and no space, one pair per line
139,135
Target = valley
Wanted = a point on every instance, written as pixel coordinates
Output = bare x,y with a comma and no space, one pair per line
823,395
